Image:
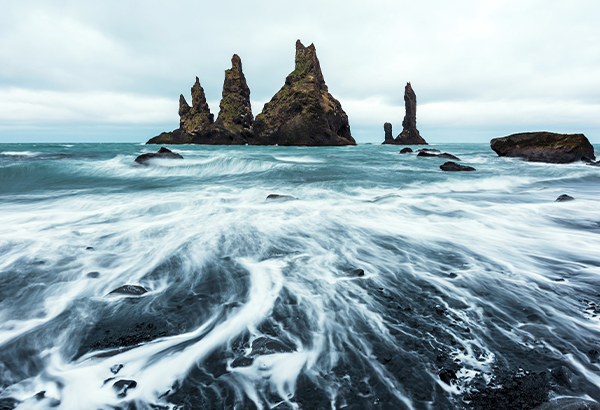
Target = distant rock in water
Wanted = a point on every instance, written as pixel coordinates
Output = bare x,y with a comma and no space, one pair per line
277,197
410,134
163,153
564,197
406,150
197,125
303,112
544,147
428,153
132,290
389,137
454,167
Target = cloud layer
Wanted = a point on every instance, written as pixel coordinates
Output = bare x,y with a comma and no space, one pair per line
480,68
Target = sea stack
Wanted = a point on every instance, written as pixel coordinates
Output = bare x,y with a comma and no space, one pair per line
389,137
303,112
197,125
410,134
544,147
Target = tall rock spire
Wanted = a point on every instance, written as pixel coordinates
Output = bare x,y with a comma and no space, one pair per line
303,112
235,110
410,135
198,117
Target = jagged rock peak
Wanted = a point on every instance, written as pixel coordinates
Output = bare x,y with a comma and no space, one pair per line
235,109
307,66
389,138
184,108
303,112
410,105
410,135
198,98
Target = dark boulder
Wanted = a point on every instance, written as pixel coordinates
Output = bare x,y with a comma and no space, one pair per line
121,386
163,153
428,150
448,156
277,197
544,147
132,290
564,197
426,154
389,137
303,112
405,150
454,167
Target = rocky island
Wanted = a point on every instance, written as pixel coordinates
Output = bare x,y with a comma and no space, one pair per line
544,147
302,112
197,125
410,134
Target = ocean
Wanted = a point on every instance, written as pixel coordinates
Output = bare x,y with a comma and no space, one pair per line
375,280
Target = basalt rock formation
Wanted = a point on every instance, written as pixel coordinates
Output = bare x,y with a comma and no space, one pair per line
389,138
197,125
410,134
544,147
303,112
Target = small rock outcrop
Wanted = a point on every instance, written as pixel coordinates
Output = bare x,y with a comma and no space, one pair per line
163,153
410,134
564,197
406,150
454,167
544,147
428,153
197,125
131,290
277,197
389,137
303,112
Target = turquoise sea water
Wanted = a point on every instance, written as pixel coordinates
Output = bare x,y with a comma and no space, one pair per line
256,303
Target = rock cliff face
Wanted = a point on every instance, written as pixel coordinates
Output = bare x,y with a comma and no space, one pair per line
303,112
197,125
544,147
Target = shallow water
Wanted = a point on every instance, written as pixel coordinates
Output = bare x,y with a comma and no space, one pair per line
255,303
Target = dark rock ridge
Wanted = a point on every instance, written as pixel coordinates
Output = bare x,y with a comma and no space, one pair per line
197,126
303,112
427,153
544,147
410,134
163,153
454,167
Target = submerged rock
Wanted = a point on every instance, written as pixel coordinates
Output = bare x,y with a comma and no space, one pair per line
544,147
454,167
163,153
434,153
389,137
564,197
121,386
303,112
449,156
277,197
133,290
405,150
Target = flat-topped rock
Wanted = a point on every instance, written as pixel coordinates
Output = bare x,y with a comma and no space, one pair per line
303,112
544,147
454,167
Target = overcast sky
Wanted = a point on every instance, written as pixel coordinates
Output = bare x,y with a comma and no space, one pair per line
79,71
